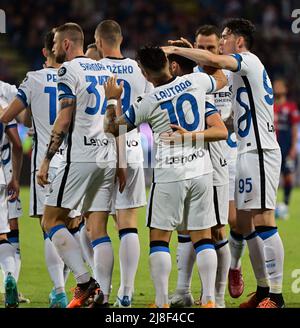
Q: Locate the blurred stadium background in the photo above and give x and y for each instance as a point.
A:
(145, 22)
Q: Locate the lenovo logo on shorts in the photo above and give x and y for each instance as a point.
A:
(2, 21)
(132, 143)
(185, 159)
(95, 141)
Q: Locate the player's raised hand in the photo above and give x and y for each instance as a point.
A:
(42, 176)
(168, 50)
(176, 137)
(113, 90)
(182, 42)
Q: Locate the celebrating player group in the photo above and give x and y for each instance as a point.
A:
(217, 161)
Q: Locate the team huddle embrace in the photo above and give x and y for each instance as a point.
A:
(217, 162)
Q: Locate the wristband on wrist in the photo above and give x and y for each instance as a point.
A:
(112, 102)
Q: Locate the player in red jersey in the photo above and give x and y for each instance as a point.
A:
(286, 125)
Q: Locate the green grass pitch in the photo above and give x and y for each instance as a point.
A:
(35, 283)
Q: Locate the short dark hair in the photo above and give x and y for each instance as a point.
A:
(242, 27)
(110, 31)
(185, 64)
(152, 58)
(208, 30)
(73, 31)
(48, 41)
(92, 46)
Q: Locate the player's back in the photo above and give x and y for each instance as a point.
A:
(38, 91)
(134, 84)
(82, 79)
(182, 102)
(253, 102)
(7, 92)
(127, 70)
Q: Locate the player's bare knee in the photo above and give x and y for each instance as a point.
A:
(127, 218)
(157, 234)
(218, 233)
(264, 217)
(200, 234)
(96, 224)
(244, 222)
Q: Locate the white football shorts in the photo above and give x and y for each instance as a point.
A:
(182, 205)
(257, 179)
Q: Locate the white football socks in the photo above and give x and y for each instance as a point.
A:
(103, 264)
(274, 256)
(237, 246)
(13, 238)
(55, 265)
(160, 268)
(70, 252)
(185, 257)
(207, 263)
(224, 259)
(7, 258)
(87, 248)
(129, 254)
(257, 258)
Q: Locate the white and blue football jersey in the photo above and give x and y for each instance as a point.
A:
(253, 102)
(38, 91)
(181, 101)
(82, 79)
(135, 84)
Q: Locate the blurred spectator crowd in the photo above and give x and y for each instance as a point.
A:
(156, 21)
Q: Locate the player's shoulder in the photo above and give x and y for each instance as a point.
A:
(195, 78)
(249, 56)
(6, 86)
(144, 101)
(65, 68)
(32, 76)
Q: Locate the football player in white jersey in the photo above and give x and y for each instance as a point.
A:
(207, 37)
(9, 190)
(88, 169)
(108, 36)
(37, 94)
(259, 158)
(181, 193)
(7, 94)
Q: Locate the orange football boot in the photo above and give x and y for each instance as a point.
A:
(82, 295)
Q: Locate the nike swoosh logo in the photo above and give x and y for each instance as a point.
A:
(270, 261)
(248, 200)
(19, 209)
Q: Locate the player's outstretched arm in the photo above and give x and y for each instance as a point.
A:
(116, 125)
(216, 131)
(204, 57)
(12, 111)
(59, 131)
(17, 161)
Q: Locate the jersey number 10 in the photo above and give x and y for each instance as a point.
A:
(168, 105)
